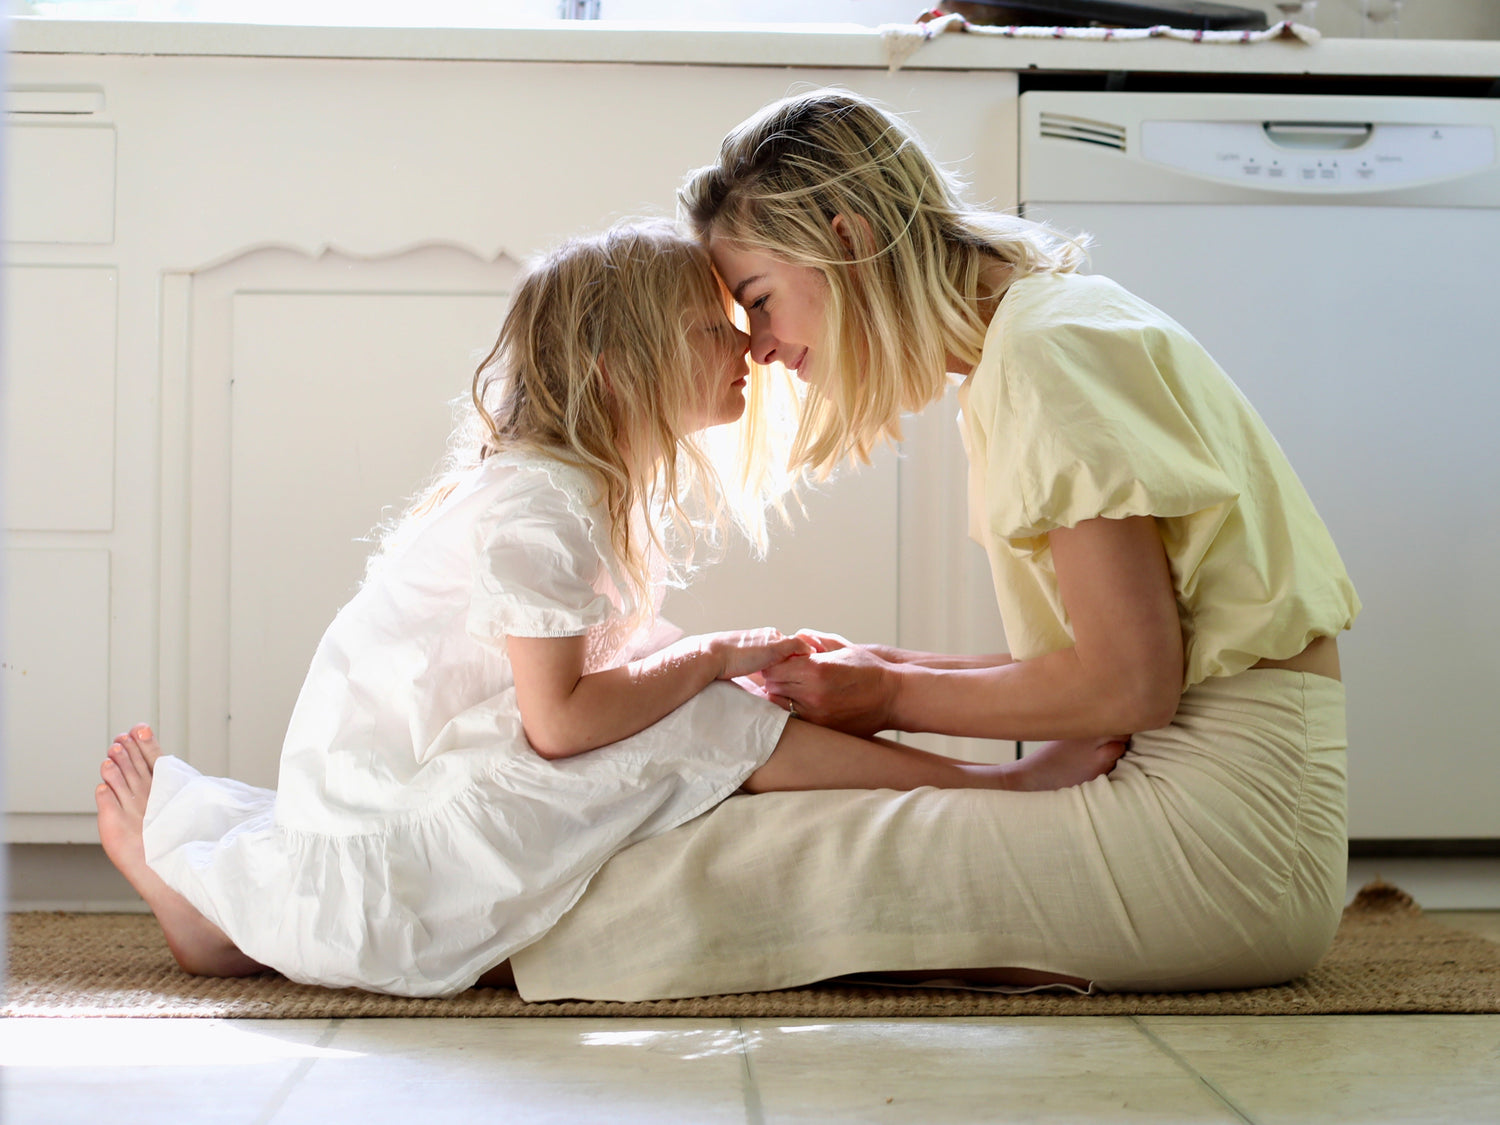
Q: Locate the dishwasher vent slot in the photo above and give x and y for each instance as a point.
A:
(1065, 127)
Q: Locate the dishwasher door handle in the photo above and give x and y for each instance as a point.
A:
(1333, 136)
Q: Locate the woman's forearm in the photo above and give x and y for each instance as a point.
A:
(1052, 696)
(939, 659)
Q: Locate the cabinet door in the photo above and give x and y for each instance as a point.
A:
(325, 391)
(323, 398)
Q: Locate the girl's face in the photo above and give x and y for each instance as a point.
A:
(785, 304)
(719, 353)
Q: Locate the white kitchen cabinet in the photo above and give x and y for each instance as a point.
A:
(245, 290)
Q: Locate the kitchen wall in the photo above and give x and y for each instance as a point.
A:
(1407, 19)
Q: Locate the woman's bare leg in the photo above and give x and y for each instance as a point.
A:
(814, 757)
(200, 947)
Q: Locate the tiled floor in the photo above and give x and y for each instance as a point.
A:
(1302, 1069)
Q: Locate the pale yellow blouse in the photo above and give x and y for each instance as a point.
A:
(1086, 402)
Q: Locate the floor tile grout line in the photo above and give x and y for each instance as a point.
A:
(1213, 1087)
(754, 1112)
(292, 1080)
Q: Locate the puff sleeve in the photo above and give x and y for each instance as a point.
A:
(1087, 418)
(538, 570)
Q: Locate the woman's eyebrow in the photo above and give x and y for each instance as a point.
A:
(739, 290)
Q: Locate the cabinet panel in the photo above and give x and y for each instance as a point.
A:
(60, 418)
(56, 677)
(61, 183)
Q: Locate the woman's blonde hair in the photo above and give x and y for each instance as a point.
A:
(595, 365)
(903, 269)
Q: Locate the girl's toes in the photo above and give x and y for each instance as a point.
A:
(145, 738)
(118, 771)
(138, 760)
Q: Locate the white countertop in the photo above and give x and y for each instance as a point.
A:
(822, 45)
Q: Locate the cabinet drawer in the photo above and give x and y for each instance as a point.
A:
(60, 184)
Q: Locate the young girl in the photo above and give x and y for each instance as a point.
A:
(485, 723)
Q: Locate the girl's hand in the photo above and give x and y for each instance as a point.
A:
(747, 651)
(831, 642)
(823, 642)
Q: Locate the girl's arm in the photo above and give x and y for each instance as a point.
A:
(565, 712)
(1122, 675)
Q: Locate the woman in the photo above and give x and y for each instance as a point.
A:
(1160, 571)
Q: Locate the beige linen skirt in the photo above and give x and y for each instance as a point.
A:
(1213, 856)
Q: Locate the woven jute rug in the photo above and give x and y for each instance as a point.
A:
(1387, 958)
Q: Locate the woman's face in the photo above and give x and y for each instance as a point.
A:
(785, 304)
(719, 353)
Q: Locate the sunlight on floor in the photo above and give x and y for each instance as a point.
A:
(683, 1045)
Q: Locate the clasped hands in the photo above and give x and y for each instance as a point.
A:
(839, 684)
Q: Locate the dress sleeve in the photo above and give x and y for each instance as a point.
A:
(538, 565)
(1082, 421)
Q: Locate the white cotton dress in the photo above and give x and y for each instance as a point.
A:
(415, 839)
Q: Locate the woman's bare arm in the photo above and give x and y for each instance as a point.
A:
(827, 642)
(1122, 675)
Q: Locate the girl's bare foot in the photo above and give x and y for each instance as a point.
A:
(1057, 765)
(199, 946)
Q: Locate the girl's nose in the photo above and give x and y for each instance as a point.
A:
(743, 342)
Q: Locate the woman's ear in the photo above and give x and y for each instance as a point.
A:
(847, 227)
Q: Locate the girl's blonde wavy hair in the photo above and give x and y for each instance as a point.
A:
(595, 365)
(904, 286)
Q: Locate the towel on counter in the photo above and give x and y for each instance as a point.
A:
(903, 39)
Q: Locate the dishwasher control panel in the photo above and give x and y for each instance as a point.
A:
(1333, 156)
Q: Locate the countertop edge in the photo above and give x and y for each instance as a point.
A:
(818, 45)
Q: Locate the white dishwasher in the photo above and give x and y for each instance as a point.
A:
(1340, 258)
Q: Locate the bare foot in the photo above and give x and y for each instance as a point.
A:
(199, 946)
(1057, 765)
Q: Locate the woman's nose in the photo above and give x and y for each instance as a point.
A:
(743, 342)
(762, 345)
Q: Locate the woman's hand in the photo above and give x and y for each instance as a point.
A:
(745, 652)
(845, 686)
